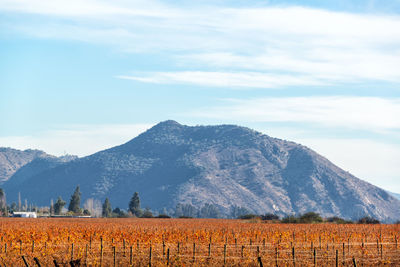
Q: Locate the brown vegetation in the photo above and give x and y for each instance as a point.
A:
(194, 242)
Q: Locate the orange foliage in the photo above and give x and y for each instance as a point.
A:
(194, 242)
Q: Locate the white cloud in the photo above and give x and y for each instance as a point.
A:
(308, 45)
(366, 113)
(81, 140)
(224, 79)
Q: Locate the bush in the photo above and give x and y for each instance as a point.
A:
(163, 216)
(270, 217)
(290, 219)
(368, 220)
(310, 217)
(248, 216)
(338, 220)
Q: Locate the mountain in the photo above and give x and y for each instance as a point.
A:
(223, 165)
(12, 159)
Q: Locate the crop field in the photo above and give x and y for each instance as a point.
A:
(193, 242)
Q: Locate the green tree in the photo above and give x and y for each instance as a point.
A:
(59, 205)
(106, 211)
(3, 203)
(134, 205)
(75, 203)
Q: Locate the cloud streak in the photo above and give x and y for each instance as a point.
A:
(225, 79)
(302, 44)
(362, 113)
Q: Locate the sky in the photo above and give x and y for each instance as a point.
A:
(80, 76)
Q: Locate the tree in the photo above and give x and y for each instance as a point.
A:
(51, 207)
(270, 217)
(106, 212)
(368, 220)
(75, 203)
(3, 203)
(237, 211)
(59, 205)
(209, 211)
(134, 205)
(185, 210)
(310, 217)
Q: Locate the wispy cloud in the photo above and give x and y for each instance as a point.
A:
(366, 113)
(300, 45)
(225, 79)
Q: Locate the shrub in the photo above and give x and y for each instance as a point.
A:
(163, 216)
(248, 216)
(290, 219)
(368, 220)
(270, 217)
(310, 217)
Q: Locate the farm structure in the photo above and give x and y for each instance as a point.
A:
(193, 242)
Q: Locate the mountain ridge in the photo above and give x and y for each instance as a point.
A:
(223, 165)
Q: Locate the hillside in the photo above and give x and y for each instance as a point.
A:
(223, 165)
(12, 159)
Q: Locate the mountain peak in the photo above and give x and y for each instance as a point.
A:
(168, 123)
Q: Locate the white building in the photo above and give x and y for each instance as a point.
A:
(24, 214)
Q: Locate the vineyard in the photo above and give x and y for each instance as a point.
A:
(193, 242)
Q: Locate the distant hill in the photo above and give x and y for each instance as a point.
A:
(226, 165)
(12, 159)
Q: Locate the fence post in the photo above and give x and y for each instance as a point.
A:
(337, 258)
(167, 256)
(344, 255)
(101, 251)
(194, 251)
(131, 256)
(354, 262)
(26, 263)
(209, 250)
(276, 256)
(294, 256)
(260, 262)
(124, 246)
(37, 262)
(315, 257)
(224, 254)
(150, 256)
(113, 248)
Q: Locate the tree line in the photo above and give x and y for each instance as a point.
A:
(96, 209)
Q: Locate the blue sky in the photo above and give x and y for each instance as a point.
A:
(80, 76)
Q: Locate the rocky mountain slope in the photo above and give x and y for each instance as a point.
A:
(224, 165)
(12, 159)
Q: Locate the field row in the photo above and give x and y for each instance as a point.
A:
(189, 242)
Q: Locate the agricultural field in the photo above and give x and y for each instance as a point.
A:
(193, 242)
